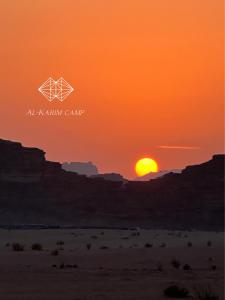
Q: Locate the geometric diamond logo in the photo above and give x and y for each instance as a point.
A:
(52, 89)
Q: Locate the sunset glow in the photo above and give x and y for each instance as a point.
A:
(148, 76)
(145, 166)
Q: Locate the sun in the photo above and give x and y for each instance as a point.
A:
(146, 165)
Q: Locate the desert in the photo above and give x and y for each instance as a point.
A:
(108, 264)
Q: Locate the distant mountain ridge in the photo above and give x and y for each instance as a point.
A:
(111, 177)
(152, 175)
(36, 191)
(82, 168)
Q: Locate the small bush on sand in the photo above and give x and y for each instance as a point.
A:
(186, 267)
(62, 266)
(163, 245)
(174, 291)
(205, 293)
(175, 263)
(147, 245)
(17, 247)
(88, 246)
(159, 267)
(209, 244)
(189, 244)
(60, 243)
(55, 252)
(213, 267)
(37, 247)
(104, 247)
(210, 259)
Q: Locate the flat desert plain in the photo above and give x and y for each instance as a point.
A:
(105, 264)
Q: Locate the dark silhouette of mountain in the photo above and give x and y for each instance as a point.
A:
(83, 168)
(33, 190)
(153, 175)
(110, 176)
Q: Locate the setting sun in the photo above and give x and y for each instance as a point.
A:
(145, 166)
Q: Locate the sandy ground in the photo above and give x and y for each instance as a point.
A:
(118, 266)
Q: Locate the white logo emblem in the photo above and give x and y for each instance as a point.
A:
(52, 89)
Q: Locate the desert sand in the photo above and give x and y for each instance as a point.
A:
(104, 264)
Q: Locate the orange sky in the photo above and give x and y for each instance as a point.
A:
(148, 73)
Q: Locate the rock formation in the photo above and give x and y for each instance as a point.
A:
(33, 190)
(110, 177)
(82, 168)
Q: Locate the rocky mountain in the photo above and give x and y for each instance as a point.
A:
(110, 177)
(33, 190)
(82, 168)
(152, 175)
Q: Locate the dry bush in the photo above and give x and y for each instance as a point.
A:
(174, 291)
(37, 247)
(205, 293)
(17, 247)
(60, 243)
(209, 244)
(55, 252)
(88, 246)
(175, 263)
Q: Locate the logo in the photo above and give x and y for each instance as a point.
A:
(52, 89)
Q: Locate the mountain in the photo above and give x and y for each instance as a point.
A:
(34, 190)
(152, 175)
(110, 176)
(82, 168)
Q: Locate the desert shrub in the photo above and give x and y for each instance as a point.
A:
(175, 263)
(7, 244)
(174, 291)
(37, 247)
(104, 247)
(60, 243)
(62, 266)
(102, 233)
(159, 267)
(209, 244)
(55, 252)
(210, 259)
(163, 245)
(147, 245)
(17, 247)
(213, 267)
(189, 244)
(88, 246)
(186, 267)
(205, 293)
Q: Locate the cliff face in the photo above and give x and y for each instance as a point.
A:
(22, 164)
(33, 190)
